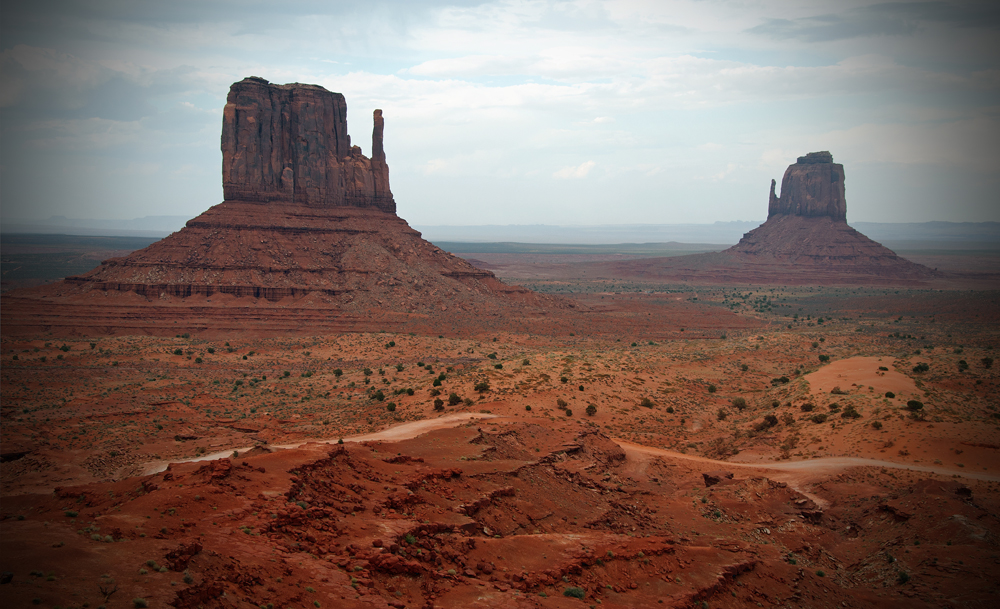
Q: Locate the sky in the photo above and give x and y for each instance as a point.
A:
(519, 111)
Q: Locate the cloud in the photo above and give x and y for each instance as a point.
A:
(883, 19)
(577, 172)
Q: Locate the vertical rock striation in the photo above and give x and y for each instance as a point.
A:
(289, 144)
(812, 187)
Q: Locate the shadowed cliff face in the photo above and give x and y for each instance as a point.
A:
(814, 187)
(289, 143)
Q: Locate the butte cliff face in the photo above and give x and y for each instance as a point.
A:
(308, 224)
(812, 187)
(289, 143)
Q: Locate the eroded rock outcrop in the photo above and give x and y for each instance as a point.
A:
(289, 143)
(812, 187)
(307, 220)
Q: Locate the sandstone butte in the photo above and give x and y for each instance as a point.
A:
(307, 237)
(805, 241)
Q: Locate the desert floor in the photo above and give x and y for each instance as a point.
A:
(860, 427)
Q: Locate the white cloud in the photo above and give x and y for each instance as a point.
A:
(579, 171)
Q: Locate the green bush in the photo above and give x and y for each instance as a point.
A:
(890, 394)
(139, 603)
(574, 592)
(711, 388)
(824, 358)
(454, 399)
(482, 386)
(722, 414)
(818, 418)
(438, 404)
(561, 403)
(646, 403)
(921, 367)
(807, 407)
(178, 352)
(591, 410)
(391, 406)
(914, 405)
(739, 403)
(876, 424)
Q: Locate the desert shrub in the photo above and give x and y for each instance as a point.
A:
(391, 406)
(367, 371)
(823, 358)
(787, 418)
(921, 367)
(409, 391)
(838, 391)
(390, 344)
(781, 380)
(739, 403)
(139, 603)
(818, 418)
(775, 403)
(435, 392)
(563, 379)
(178, 352)
(438, 404)
(498, 366)
(807, 407)
(286, 374)
(197, 360)
(883, 368)
(436, 382)
(378, 395)
(722, 414)
(482, 386)
(454, 399)
(768, 422)
(591, 410)
(890, 394)
(876, 424)
(525, 363)
(574, 592)
(850, 413)
(914, 405)
(399, 367)
(71, 514)
(569, 412)
(903, 577)
(581, 387)
(527, 407)
(987, 362)
(744, 367)
(963, 365)
(646, 403)
(670, 409)
(492, 355)
(561, 403)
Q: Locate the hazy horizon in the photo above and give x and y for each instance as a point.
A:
(517, 111)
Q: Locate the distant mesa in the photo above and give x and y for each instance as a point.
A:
(306, 217)
(805, 241)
